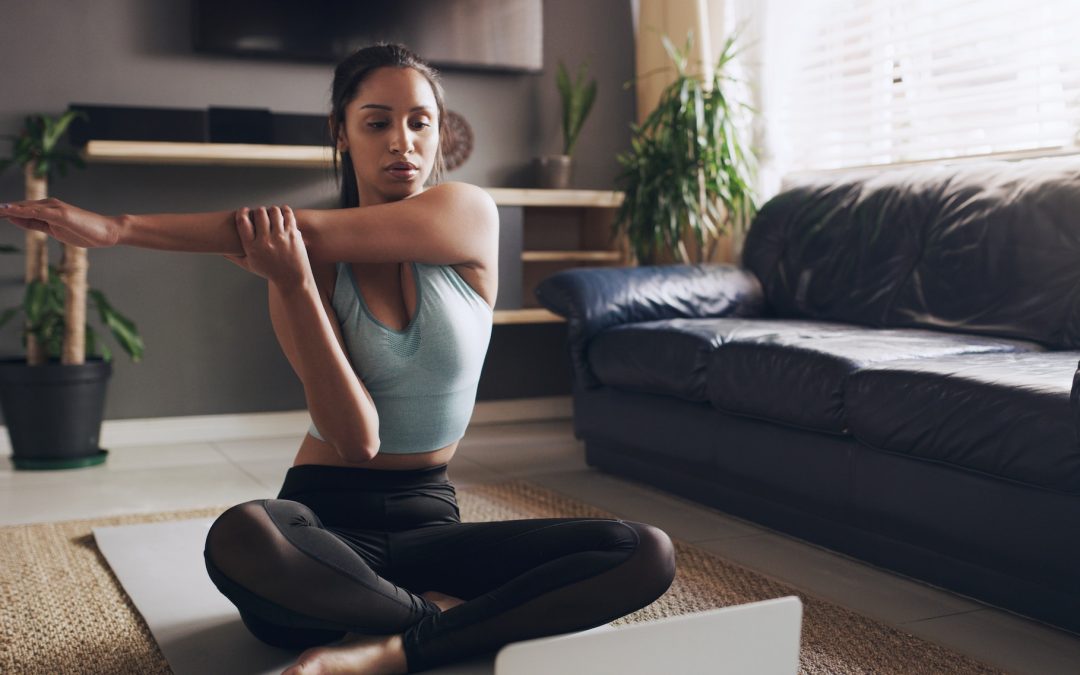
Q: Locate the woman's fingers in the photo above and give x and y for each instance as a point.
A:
(39, 209)
(30, 224)
(29, 203)
(277, 221)
(243, 225)
(262, 223)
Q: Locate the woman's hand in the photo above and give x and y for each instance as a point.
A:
(64, 222)
(273, 246)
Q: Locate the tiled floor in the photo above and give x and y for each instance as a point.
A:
(167, 477)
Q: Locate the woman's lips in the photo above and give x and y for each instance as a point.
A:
(403, 171)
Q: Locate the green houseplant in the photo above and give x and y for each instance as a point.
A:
(53, 400)
(688, 176)
(577, 97)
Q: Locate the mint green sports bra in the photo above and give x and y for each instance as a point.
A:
(422, 378)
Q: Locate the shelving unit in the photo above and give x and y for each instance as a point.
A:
(544, 231)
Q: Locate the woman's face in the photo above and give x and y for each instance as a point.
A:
(392, 134)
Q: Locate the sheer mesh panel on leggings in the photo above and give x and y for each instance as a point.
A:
(295, 573)
(632, 568)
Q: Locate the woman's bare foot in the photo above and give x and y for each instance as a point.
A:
(444, 601)
(358, 654)
(354, 654)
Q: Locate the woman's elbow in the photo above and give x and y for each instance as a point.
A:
(356, 444)
(308, 224)
(357, 453)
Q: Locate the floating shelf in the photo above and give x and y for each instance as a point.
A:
(573, 198)
(580, 256)
(232, 154)
(538, 315)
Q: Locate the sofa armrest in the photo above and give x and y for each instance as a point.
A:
(1074, 399)
(595, 298)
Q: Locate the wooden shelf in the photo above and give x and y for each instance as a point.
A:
(232, 154)
(538, 315)
(534, 197)
(581, 256)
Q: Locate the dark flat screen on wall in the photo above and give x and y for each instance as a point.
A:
(451, 34)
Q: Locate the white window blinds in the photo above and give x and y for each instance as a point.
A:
(875, 82)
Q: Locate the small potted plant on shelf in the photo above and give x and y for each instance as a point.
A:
(688, 176)
(577, 96)
(54, 398)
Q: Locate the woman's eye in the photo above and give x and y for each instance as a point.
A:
(382, 124)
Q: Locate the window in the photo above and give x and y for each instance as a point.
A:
(873, 82)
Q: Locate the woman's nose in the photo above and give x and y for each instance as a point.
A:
(401, 141)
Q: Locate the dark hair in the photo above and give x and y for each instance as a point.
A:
(348, 75)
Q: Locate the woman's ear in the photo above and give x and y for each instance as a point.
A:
(340, 142)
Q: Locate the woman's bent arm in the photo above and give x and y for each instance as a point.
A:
(448, 224)
(339, 404)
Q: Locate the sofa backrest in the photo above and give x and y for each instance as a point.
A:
(990, 248)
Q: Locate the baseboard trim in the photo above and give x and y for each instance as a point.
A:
(523, 410)
(203, 428)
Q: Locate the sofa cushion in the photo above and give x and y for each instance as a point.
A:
(659, 357)
(1008, 415)
(596, 298)
(794, 372)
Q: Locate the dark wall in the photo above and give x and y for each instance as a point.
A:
(210, 346)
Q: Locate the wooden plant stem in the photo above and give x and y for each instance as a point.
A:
(74, 276)
(37, 259)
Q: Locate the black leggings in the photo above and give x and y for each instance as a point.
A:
(348, 549)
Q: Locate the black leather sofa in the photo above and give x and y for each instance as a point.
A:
(891, 373)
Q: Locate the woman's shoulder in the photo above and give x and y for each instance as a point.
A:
(464, 193)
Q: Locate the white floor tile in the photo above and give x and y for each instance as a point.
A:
(868, 590)
(118, 459)
(1004, 640)
(133, 491)
(464, 472)
(270, 473)
(630, 502)
(259, 449)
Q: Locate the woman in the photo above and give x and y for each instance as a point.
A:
(363, 557)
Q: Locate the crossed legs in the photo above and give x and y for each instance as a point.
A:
(300, 584)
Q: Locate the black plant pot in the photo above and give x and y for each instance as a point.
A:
(53, 412)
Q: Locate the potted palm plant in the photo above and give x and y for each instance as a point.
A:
(688, 177)
(54, 398)
(577, 97)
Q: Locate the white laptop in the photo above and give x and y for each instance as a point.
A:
(760, 638)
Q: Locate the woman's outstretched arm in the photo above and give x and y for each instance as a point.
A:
(447, 224)
(210, 232)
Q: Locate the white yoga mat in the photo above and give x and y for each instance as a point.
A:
(160, 566)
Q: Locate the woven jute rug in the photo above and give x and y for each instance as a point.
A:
(63, 611)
